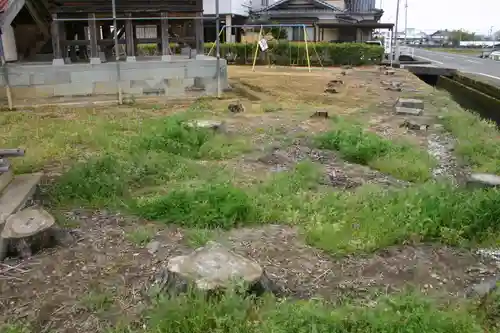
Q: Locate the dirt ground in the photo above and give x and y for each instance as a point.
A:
(104, 276)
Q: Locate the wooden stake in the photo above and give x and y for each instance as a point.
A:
(307, 49)
(256, 50)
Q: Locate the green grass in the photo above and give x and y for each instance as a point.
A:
(407, 313)
(141, 235)
(455, 50)
(371, 218)
(478, 140)
(399, 159)
(208, 206)
(97, 301)
(173, 135)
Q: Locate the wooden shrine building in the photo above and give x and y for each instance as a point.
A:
(82, 30)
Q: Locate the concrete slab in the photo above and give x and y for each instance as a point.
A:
(410, 103)
(20, 189)
(408, 111)
(208, 124)
(58, 62)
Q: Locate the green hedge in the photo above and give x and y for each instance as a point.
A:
(292, 53)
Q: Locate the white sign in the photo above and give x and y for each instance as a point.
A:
(388, 42)
(263, 44)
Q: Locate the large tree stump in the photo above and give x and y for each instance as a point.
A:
(29, 230)
(211, 269)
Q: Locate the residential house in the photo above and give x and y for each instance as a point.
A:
(329, 21)
(440, 37)
(232, 12)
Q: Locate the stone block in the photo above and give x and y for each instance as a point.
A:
(105, 88)
(50, 77)
(215, 125)
(408, 111)
(44, 91)
(74, 89)
(19, 78)
(410, 103)
(92, 75)
(58, 62)
(483, 180)
(194, 70)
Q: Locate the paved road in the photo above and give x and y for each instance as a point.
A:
(487, 68)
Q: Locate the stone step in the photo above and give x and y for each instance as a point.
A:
(408, 111)
(15, 195)
(5, 179)
(410, 103)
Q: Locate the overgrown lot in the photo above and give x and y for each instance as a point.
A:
(347, 209)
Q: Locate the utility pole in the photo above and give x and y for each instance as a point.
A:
(406, 20)
(395, 54)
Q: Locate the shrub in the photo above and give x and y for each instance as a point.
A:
(294, 53)
(287, 53)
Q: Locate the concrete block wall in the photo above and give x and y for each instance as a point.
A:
(176, 79)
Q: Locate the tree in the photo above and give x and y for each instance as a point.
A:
(456, 36)
(496, 35)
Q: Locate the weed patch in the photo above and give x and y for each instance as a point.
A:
(231, 313)
(207, 206)
(173, 135)
(287, 196)
(371, 219)
(356, 145)
(141, 235)
(478, 140)
(98, 180)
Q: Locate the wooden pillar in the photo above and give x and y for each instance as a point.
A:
(198, 26)
(71, 36)
(106, 34)
(129, 38)
(94, 51)
(55, 30)
(165, 48)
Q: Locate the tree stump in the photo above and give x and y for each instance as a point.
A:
(211, 269)
(31, 229)
(236, 107)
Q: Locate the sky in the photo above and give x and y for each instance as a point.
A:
(431, 15)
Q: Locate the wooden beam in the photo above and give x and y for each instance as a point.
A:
(40, 22)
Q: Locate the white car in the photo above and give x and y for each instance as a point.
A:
(495, 55)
